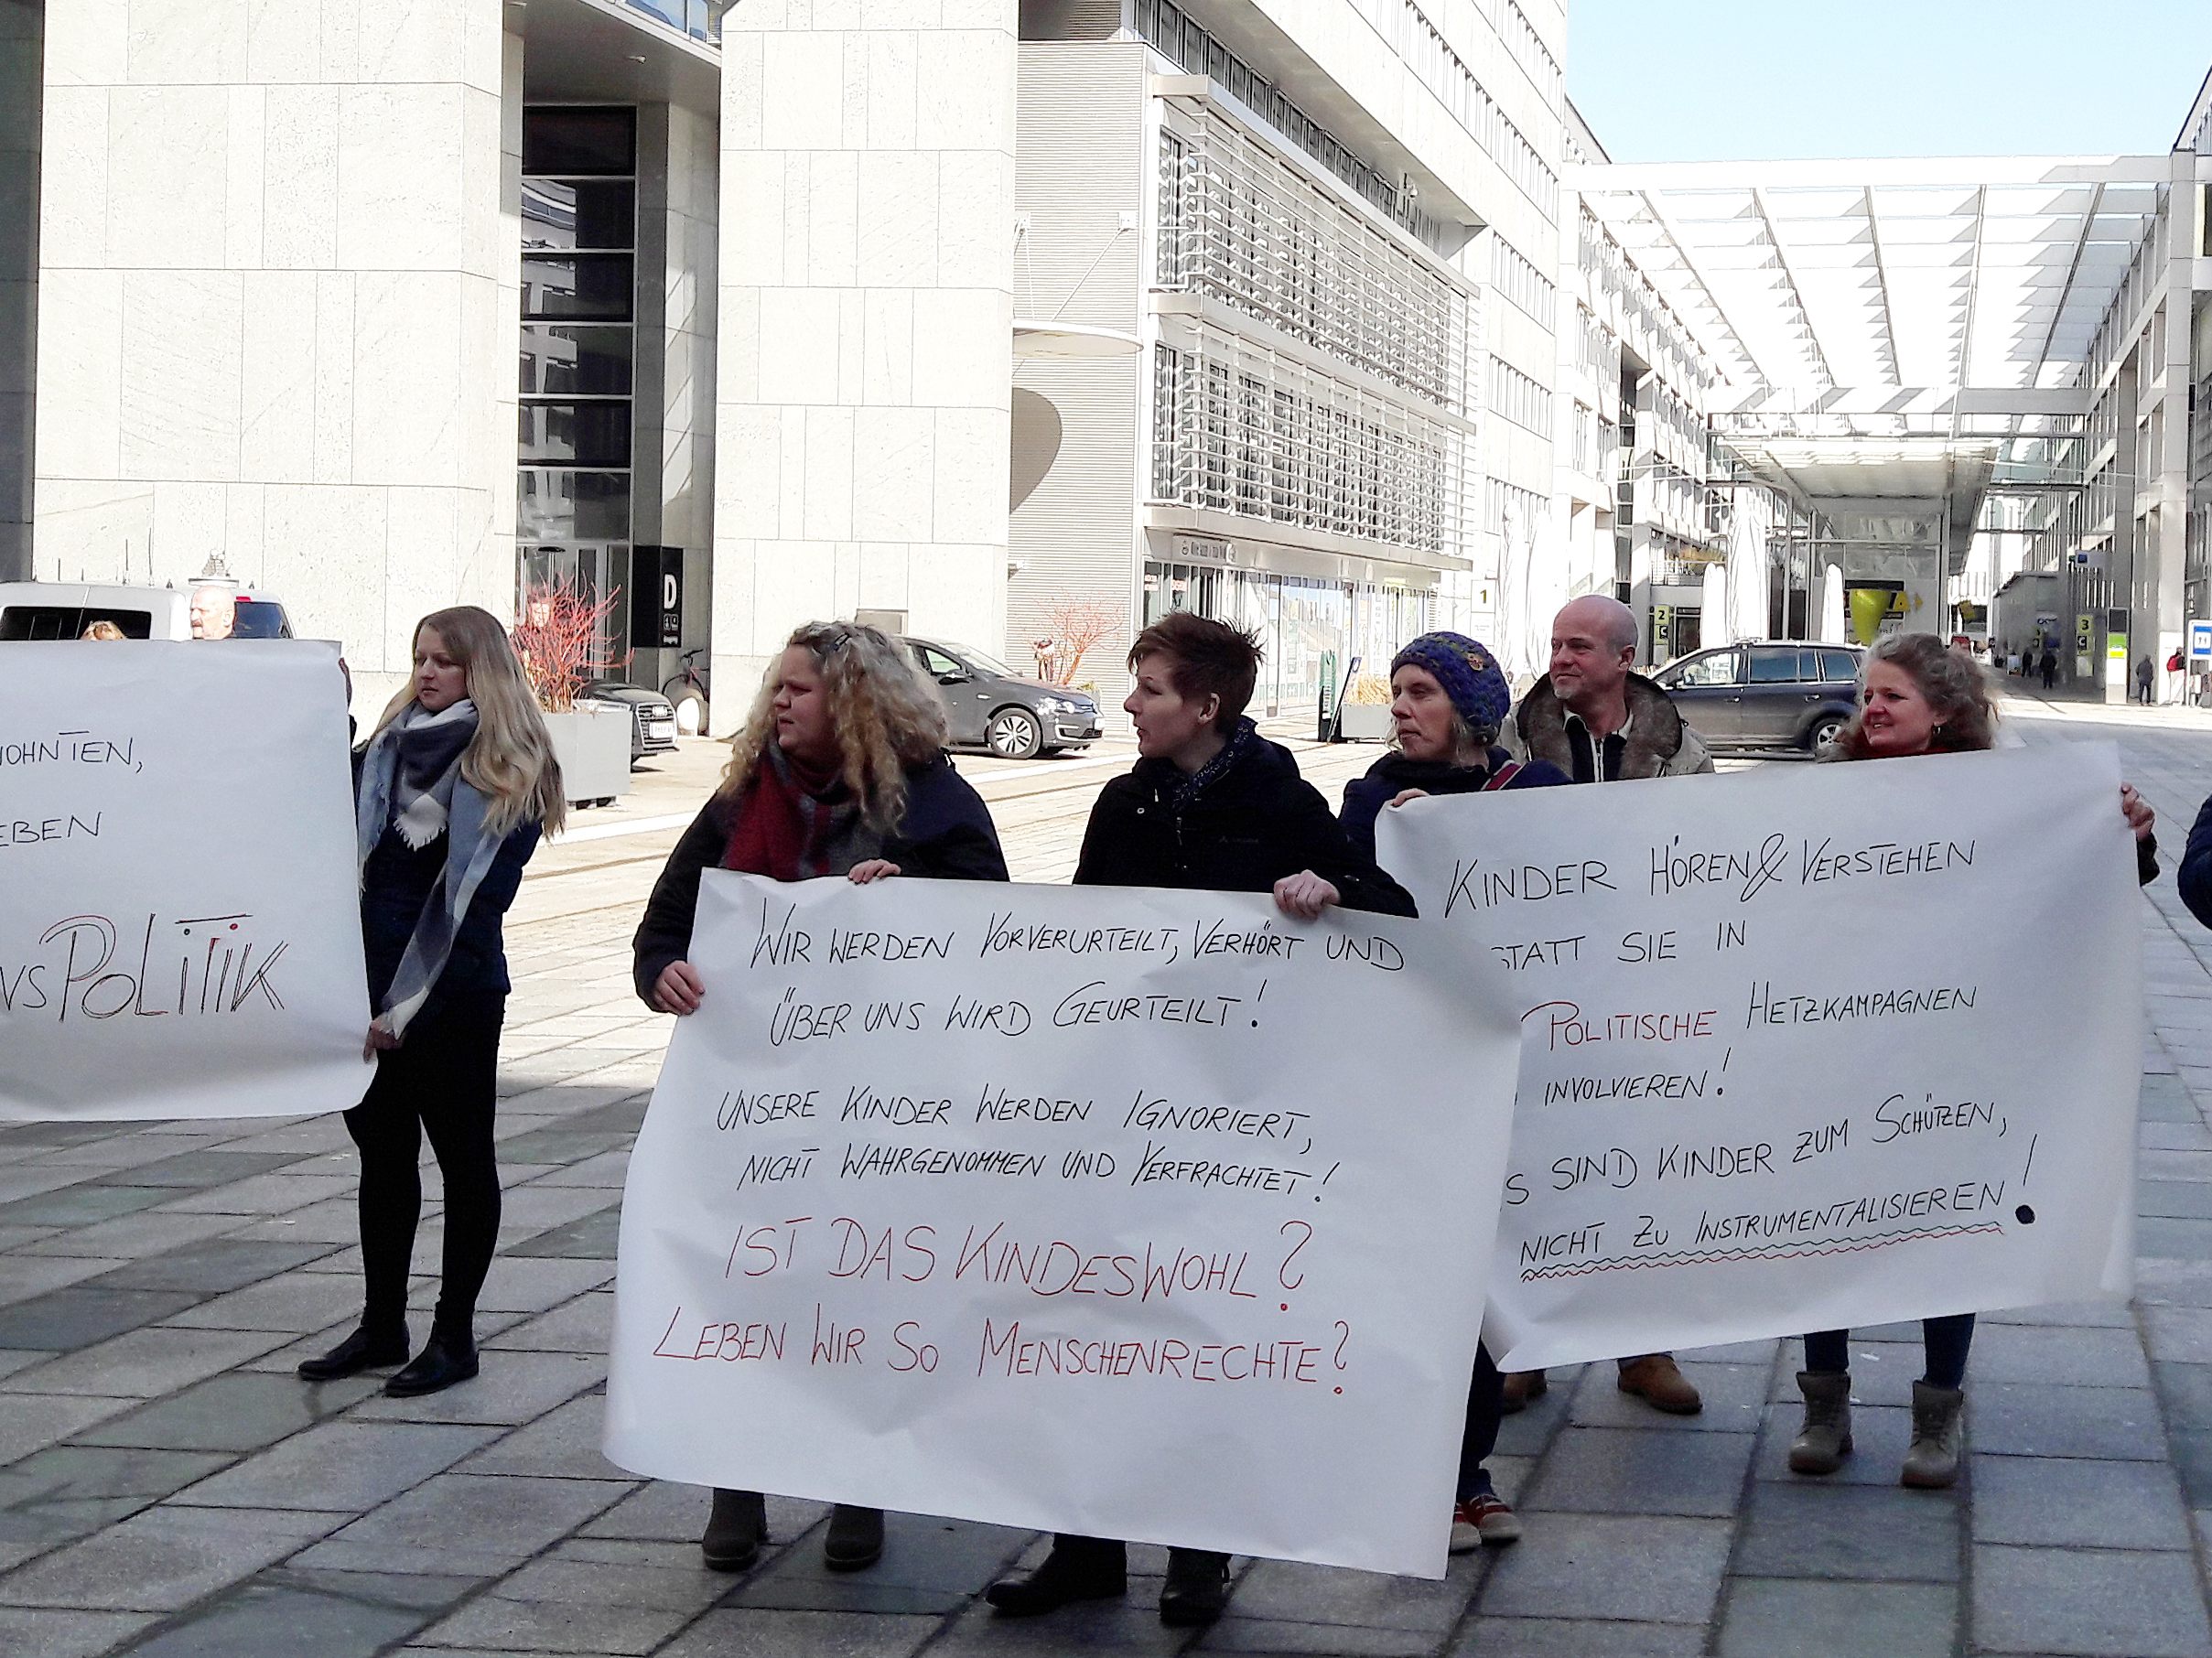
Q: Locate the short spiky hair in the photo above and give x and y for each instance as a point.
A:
(1209, 659)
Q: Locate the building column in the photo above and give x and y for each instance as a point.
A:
(866, 319)
(22, 32)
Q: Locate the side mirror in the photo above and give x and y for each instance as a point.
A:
(952, 677)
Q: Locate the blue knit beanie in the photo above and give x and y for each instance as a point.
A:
(1473, 681)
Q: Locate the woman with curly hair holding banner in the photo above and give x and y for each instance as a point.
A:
(840, 770)
(1917, 695)
(452, 792)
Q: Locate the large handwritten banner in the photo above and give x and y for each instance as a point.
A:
(1140, 1213)
(1803, 1048)
(179, 924)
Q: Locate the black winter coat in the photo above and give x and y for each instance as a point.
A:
(1364, 797)
(1249, 828)
(398, 881)
(944, 833)
(2195, 877)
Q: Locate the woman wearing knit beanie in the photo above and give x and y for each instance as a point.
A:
(1448, 699)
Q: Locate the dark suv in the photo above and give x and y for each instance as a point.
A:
(1783, 695)
(993, 708)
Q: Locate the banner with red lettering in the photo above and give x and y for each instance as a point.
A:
(1805, 1048)
(1145, 1214)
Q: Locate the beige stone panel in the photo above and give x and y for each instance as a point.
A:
(827, 509)
(490, 343)
(190, 522)
(73, 167)
(300, 179)
(323, 555)
(969, 105)
(485, 44)
(741, 130)
(793, 582)
(798, 346)
(168, 151)
(893, 91)
(87, 45)
(738, 347)
(334, 377)
(837, 13)
(959, 590)
(400, 178)
(970, 489)
(976, 220)
(851, 329)
(883, 582)
(833, 229)
(898, 198)
(489, 240)
(980, 13)
(754, 242)
(803, 91)
(341, 42)
(276, 403)
(903, 14)
(748, 462)
(845, 578)
(284, 41)
(407, 378)
(186, 42)
(242, 187)
(424, 564)
(94, 530)
(893, 499)
(790, 475)
(963, 347)
(183, 358)
(887, 346)
(402, 40)
(79, 431)
(243, 506)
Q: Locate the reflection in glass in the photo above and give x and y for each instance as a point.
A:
(572, 506)
(577, 434)
(575, 361)
(585, 140)
(560, 214)
(577, 285)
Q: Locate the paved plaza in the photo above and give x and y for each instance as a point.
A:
(168, 1487)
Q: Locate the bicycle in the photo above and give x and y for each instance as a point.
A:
(686, 692)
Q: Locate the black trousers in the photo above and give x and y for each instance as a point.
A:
(1486, 1409)
(1946, 1339)
(1112, 1551)
(443, 1080)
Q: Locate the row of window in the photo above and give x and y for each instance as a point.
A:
(1266, 440)
(1181, 40)
(1530, 52)
(1521, 282)
(1515, 396)
(1241, 225)
(1636, 310)
(1597, 349)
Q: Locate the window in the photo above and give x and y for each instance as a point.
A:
(1774, 664)
(1718, 669)
(937, 664)
(1839, 667)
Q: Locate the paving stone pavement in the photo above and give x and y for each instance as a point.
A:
(167, 1487)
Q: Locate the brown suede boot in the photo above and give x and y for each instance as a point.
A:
(1522, 1386)
(1933, 1463)
(1825, 1438)
(1656, 1380)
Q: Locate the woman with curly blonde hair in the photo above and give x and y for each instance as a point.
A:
(840, 770)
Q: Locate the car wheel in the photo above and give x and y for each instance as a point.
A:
(1821, 738)
(1014, 734)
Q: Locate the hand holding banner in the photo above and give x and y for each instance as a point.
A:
(1802, 1048)
(1131, 1213)
(179, 919)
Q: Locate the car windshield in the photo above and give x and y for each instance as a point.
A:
(259, 618)
(983, 660)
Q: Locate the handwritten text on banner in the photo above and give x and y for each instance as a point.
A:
(179, 925)
(1131, 1213)
(1802, 1048)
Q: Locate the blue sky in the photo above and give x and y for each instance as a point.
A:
(1767, 80)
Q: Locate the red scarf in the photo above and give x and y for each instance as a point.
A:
(773, 833)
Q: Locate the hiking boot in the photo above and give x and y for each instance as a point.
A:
(855, 1538)
(1197, 1589)
(1656, 1380)
(1481, 1519)
(1085, 1569)
(1933, 1463)
(1522, 1386)
(1825, 1438)
(735, 1531)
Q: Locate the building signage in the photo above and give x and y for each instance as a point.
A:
(1214, 549)
(2200, 642)
(657, 598)
(2084, 626)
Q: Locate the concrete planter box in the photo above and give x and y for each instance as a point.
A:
(593, 746)
(1366, 722)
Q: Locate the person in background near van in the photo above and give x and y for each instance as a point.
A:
(839, 769)
(2144, 669)
(1599, 722)
(103, 630)
(1211, 805)
(1917, 697)
(215, 613)
(1448, 699)
(451, 794)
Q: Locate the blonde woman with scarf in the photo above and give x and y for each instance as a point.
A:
(452, 792)
(840, 770)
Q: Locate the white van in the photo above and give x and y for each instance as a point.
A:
(64, 609)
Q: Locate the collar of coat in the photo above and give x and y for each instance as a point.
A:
(1654, 733)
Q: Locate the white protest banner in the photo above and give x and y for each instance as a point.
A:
(1803, 1048)
(1139, 1213)
(179, 918)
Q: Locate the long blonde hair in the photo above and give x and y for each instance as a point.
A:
(885, 715)
(510, 760)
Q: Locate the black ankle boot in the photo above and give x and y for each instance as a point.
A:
(445, 1360)
(1197, 1589)
(1085, 1570)
(854, 1539)
(363, 1350)
(735, 1531)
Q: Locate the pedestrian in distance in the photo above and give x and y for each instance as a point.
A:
(1599, 721)
(2144, 671)
(1211, 805)
(2050, 667)
(454, 788)
(840, 770)
(1917, 697)
(1448, 699)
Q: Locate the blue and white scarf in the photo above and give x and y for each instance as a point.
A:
(411, 781)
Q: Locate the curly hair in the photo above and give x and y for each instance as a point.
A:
(885, 715)
(1950, 679)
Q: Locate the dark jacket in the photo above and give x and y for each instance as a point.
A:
(945, 832)
(1659, 744)
(2195, 877)
(398, 881)
(1364, 797)
(1256, 824)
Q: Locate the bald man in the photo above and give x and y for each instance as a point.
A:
(1599, 722)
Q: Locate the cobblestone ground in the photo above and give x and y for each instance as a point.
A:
(167, 1487)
